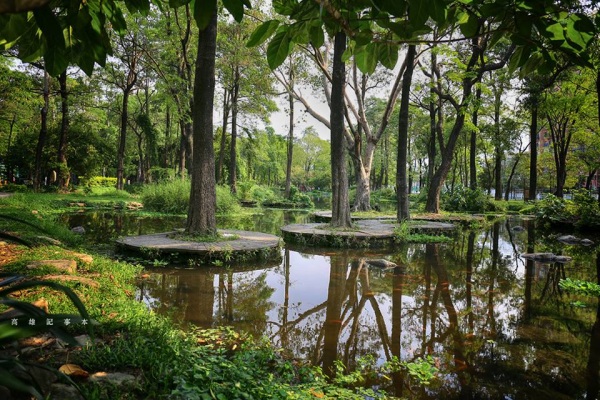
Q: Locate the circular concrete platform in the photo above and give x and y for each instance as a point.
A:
(325, 216)
(244, 247)
(366, 234)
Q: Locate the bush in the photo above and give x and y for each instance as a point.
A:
(263, 194)
(101, 181)
(168, 197)
(300, 199)
(464, 199)
(173, 198)
(227, 203)
(583, 211)
(14, 188)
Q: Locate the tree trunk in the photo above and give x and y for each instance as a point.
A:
(122, 141)
(590, 178)
(339, 175)
(185, 148)
(37, 180)
(127, 89)
(473, 145)
(401, 178)
(498, 174)
(223, 136)
(362, 202)
(203, 198)
(533, 145)
(290, 139)
(232, 148)
(9, 168)
(510, 176)
(61, 156)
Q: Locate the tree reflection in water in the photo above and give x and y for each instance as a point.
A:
(497, 326)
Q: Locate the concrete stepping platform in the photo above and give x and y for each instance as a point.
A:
(246, 246)
(325, 216)
(367, 233)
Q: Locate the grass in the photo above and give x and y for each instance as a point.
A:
(167, 362)
(219, 237)
(403, 233)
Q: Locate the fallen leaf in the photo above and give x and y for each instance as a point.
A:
(74, 371)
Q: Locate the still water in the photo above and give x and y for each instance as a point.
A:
(496, 325)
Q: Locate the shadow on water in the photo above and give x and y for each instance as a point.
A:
(497, 326)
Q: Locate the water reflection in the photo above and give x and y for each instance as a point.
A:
(497, 326)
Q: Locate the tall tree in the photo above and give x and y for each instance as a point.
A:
(564, 107)
(290, 138)
(340, 203)
(124, 75)
(61, 154)
(402, 188)
(203, 198)
(41, 142)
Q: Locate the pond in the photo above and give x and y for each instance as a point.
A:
(496, 325)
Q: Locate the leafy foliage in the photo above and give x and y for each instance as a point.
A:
(582, 211)
(31, 320)
(375, 29)
(464, 199)
(580, 287)
(173, 197)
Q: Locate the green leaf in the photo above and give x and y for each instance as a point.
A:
(317, 37)
(279, 48)
(115, 16)
(387, 54)
(204, 11)
(362, 38)
(178, 3)
(524, 24)
(236, 8)
(469, 27)
(519, 58)
(14, 25)
(402, 29)
(141, 6)
(438, 10)
(555, 32)
(262, 33)
(532, 64)
(366, 58)
(284, 7)
(396, 8)
(580, 31)
(418, 12)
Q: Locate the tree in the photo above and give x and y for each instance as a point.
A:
(534, 29)
(203, 197)
(564, 107)
(61, 33)
(340, 209)
(247, 86)
(401, 178)
(124, 75)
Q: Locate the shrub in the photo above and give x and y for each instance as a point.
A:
(227, 203)
(14, 188)
(173, 198)
(263, 194)
(101, 181)
(583, 211)
(586, 209)
(168, 197)
(300, 199)
(464, 199)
